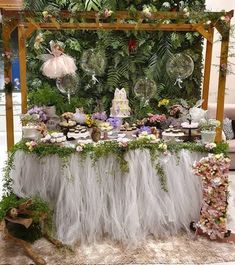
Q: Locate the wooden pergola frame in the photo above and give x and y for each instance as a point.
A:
(27, 24)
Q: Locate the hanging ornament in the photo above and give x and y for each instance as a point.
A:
(56, 63)
(145, 89)
(132, 46)
(93, 62)
(68, 85)
(180, 67)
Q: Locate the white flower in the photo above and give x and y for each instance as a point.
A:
(181, 3)
(185, 10)
(217, 181)
(210, 146)
(187, 14)
(79, 148)
(147, 12)
(208, 22)
(166, 4)
(219, 156)
(166, 21)
(222, 18)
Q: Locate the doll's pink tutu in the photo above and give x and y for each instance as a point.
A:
(59, 66)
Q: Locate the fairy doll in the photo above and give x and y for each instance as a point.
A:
(57, 64)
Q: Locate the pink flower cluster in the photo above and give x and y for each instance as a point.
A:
(157, 118)
(7, 54)
(175, 110)
(31, 145)
(214, 172)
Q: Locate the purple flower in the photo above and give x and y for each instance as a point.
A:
(39, 111)
(99, 116)
(115, 122)
(144, 129)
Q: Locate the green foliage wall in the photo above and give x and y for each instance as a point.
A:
(123, 69)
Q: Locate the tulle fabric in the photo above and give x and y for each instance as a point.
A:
(59, 66)
(91, 202)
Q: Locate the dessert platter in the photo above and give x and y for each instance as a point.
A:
(172, 134)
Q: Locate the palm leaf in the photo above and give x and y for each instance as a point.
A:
(37, 5)
(92, 5)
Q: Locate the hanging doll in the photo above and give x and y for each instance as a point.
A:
(57, 64)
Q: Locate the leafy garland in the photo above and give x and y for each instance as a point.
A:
(118, 149)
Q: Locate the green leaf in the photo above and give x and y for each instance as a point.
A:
(93, 5)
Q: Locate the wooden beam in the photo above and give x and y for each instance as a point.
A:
(222, 85)
(119, 26)
(22, 60)
(207, 71)
(206, 34)
(118, 14)
(6, 36)
(12, 4)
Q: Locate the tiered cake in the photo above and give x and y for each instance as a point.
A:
(120, 104)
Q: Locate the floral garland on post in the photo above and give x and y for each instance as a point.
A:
(214, 171)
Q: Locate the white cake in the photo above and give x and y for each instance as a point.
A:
(120, 104)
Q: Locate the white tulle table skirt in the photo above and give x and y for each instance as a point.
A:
(93, 201)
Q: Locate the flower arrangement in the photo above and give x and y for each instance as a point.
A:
(210, 146)
(114, 122)
(163, 102)
(209, 124)
(31, 145)
(89, 121)
(146, 129)
(29, 119)
(175, 110)
(214, 171)
(156, 118)
(100, 116)
(7, 55)
(39, 111)
(152, 120)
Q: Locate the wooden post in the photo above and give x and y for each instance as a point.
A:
(222, 84)
(22, 60)
(207, 71)
(6, 36)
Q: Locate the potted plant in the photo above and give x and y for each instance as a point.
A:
(47, 97)
(208, 130)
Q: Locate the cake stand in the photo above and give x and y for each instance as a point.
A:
(65, 126)
(189, 126)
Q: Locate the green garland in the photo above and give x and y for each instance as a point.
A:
(105, 149)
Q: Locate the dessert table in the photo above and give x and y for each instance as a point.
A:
(95, 200)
